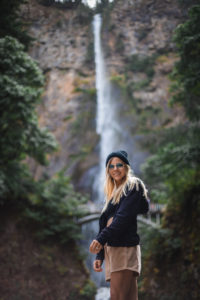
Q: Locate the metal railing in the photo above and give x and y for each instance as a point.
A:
(153, 218)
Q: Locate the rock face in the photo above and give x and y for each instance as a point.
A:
(63, 48)
(137, 37)
(140, 54)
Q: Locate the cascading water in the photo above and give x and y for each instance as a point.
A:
(115, 132)
(105, 111)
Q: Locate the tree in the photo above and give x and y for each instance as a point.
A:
(186, 74)
(21, 83)
(10, 23)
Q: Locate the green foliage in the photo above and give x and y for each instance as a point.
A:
(90, 92)
(173, 160)
(54, 208)
(102, 6)
(10, 23)
(84, 14)
(142, 64)
(15, 182)
(159, 193)
(21, 84)
(188, 3)
(105, 8)
(119, 79)
(174, 250)
(89, 290)
(186, 75)
(174, 157)
(119, 45)
(174, 173)
(90, 53)
(141, 84)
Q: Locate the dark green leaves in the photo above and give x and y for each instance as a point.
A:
(186, 74)
(54, 209)
(10, 23)
(21, 83)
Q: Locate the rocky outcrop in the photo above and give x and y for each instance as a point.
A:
(63, 48)
(140, 54)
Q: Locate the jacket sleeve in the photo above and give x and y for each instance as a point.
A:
(100, 255)
(102, 224)
(131, 205)
(143, 205)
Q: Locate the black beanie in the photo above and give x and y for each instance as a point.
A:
(121, 154)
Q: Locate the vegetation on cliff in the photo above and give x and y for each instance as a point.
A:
(186, 87)
(171, 268)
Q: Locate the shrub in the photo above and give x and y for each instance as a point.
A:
(54, 209)
(144, 64)
(89, 290)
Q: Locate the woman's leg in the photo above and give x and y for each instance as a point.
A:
(134, 287)
(123, 285)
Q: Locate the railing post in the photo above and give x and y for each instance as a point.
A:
(158, 218)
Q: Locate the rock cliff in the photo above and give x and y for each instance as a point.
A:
(140, 54)
(137, 38)
(63, 48)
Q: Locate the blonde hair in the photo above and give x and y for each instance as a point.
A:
(114, 193)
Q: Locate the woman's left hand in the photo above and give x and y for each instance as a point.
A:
(95, 247)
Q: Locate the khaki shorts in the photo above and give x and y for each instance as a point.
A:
(122, 258)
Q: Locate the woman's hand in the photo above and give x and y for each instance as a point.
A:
(95, 247)
(97, 265)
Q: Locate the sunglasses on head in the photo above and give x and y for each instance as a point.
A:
(119, 165)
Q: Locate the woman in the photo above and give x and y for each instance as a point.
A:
(117, 240)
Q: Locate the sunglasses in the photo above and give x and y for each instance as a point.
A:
(119, 165)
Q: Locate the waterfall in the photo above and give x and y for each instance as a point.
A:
(103, 97)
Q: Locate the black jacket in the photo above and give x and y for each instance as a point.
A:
(122, 232)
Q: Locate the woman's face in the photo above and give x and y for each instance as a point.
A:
(117, 170)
